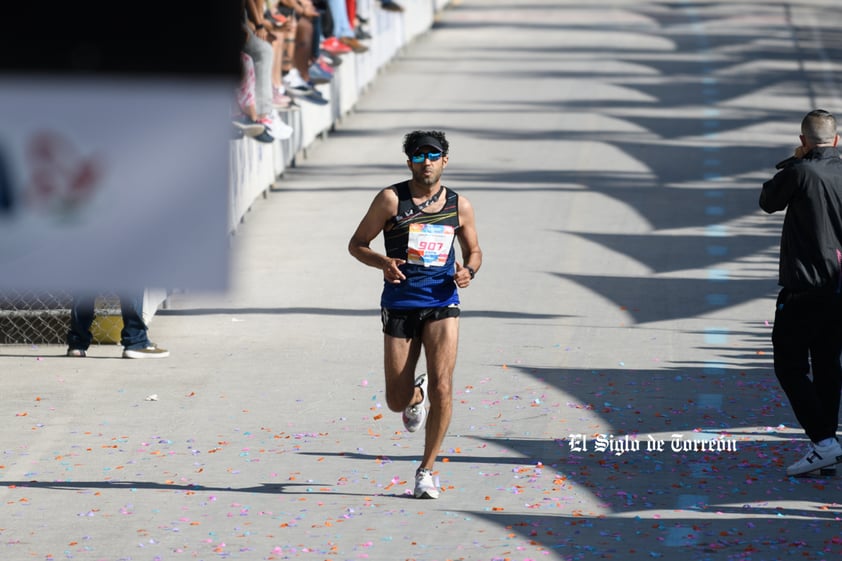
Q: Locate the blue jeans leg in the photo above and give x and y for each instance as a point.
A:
(81, 317)
(134, 333)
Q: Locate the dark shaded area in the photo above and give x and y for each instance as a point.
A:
(99, 37)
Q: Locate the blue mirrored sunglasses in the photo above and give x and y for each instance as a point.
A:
(421, 156)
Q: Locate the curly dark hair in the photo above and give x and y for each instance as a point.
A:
(410, 139)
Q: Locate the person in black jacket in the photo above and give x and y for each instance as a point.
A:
(807, 335)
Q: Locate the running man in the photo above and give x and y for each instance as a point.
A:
(420, 218)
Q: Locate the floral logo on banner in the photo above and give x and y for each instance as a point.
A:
(61, 179)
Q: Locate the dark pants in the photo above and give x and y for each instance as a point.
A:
(133, 335)
(808, 336)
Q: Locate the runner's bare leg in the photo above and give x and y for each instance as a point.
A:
(400, 359)
(440, 338)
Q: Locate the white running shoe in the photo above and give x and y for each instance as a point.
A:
(817, 457)
(414, 415)
(150, 351)
(425, 487)
(295, 83)
(276, 127)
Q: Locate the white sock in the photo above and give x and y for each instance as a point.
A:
(826, 442)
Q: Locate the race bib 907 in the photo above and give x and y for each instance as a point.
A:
(429, 244)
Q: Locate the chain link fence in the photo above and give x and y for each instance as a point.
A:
(34, 318)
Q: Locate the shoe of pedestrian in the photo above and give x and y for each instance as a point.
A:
(150, 351)
(425, 487)
(415, 415)
(817, 457)
(354, 43)
(77, 353)
(390, 6)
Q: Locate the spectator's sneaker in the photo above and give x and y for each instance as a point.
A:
(315, 97)
(335, 47)
(264, 137)
(390, 6)
(324, 63)
(425, 487)
(303, 90)
(280, 101)
(817, 458)
(361, 34)
(318, 75)
(77, 353)
(276, 127)
(295, 84)
(354, 43)
(249, 127)
(332, 59)
(278, 20)
(150, 351)
(414, 415)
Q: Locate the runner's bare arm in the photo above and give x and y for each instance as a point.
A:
(468, 242)
(382, 209)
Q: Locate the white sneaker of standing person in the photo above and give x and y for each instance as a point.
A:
(822, 455)
(149, 351)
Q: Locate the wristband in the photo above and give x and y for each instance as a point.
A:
(471, 271)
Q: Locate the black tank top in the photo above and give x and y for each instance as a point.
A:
(429, 275)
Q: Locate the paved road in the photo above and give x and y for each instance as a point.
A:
(613, 152)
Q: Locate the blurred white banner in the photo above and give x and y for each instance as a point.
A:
(116, 184)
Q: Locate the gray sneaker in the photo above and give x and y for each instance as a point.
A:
(151, 351)
(77, 353)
